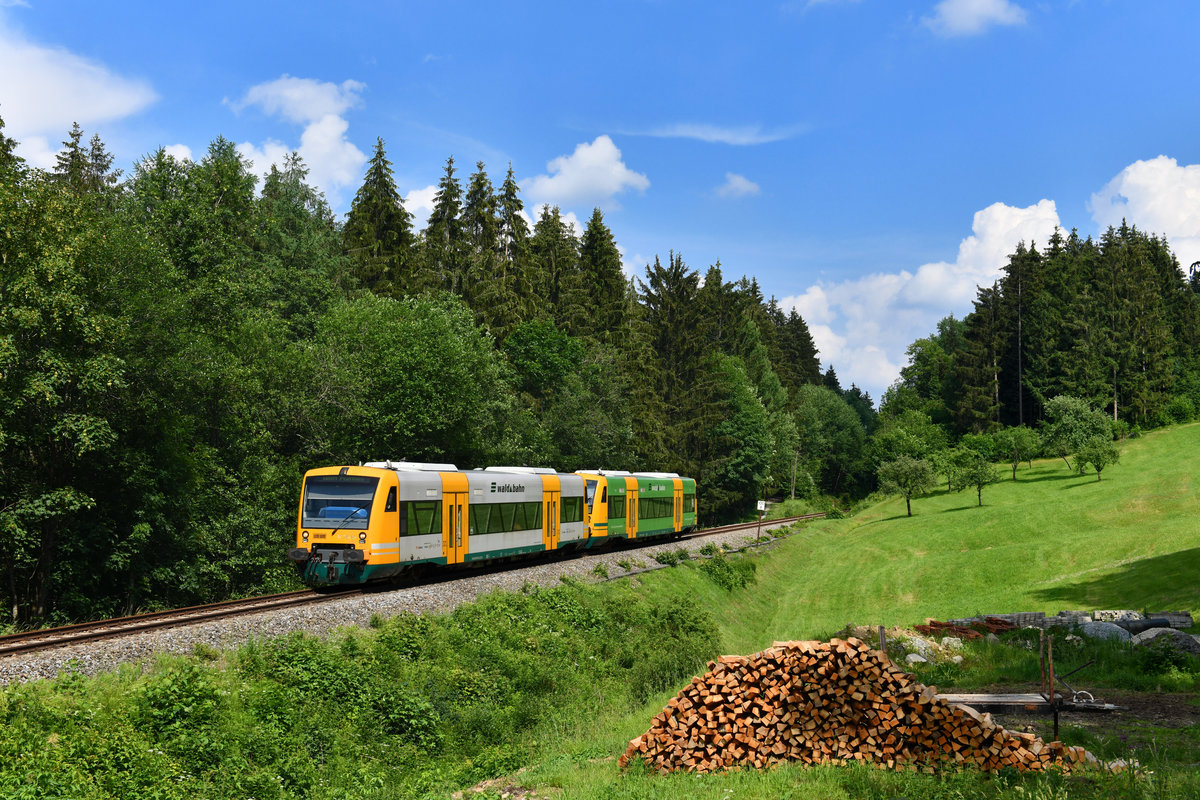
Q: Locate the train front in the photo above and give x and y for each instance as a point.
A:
(339, 510)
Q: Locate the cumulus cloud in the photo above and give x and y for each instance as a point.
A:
(863, 326)
(972, 17)
(302, 100)
(737, 186)
(1159, 196)
(180, 152)
(419, 203)
(45, 89)
(593, 174)
(735, 135)
(333, 161)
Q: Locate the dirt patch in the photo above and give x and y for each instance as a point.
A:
(1142, 709)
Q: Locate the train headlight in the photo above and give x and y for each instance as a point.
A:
(304, 536)
(362, 537)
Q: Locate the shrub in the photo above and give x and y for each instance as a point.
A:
(667, 557)
(709, 550)
(624, 564)
(729, 575)
(600, 570)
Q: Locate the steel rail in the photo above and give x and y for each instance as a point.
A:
(47, 638)
(80, 633)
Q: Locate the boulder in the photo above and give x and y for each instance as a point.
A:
(914, 658)
(1180, 640)
(921, 646)
(952, 643)
(1104, 630)
(1113, 616)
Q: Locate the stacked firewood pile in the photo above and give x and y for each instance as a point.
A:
(829, 702)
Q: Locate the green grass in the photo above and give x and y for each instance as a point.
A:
(1051, 540)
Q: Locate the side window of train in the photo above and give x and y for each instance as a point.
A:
(391, 500)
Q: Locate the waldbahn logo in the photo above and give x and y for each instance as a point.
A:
(506, 488)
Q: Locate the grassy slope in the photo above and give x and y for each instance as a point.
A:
(1051, 540)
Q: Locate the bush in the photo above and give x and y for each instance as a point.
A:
(600, 570)
(1181, 409)
(729, 575)
(667, 557)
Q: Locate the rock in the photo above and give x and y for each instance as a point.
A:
(1113, 616)
(957, 659)
(993, 638)
(1179, 640)
(1074, 640)
(914, 658)
(952, 642)
(1104, 630)
(920, 646)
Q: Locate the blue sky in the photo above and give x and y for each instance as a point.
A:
(870, 161)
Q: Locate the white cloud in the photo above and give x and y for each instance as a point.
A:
(333, 161)
(302, 100)
(737, 186)
(972, 17)
(45, 89)
(593, 174)
(180, 152)
(419, 203)
(1159, 196)
(716, 134)
(863, 326)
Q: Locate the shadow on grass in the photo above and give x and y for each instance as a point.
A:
(1148, 584)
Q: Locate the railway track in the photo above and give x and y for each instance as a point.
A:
(48, 638)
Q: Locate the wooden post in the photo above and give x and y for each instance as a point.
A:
(882, 640)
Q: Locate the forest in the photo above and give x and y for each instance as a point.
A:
(178, 345)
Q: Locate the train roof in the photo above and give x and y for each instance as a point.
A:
(411, 466)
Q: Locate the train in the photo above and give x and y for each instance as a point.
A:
(380, 519)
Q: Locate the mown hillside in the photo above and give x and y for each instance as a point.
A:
(1053, 539)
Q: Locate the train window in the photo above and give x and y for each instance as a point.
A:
(424, 517)
(689, 504)
(391, 500)
(571, 509)
(655, 507)
(616, 507)
(591, 493)
(338, 501)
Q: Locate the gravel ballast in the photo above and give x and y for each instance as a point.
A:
(323, 618)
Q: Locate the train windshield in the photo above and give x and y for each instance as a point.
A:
(338, 501)
(591, 494)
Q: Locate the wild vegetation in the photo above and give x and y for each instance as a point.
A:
(179, 344)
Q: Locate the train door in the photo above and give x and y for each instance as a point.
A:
(631, 508)
(454, 532)
(551, 524)
(678, 509)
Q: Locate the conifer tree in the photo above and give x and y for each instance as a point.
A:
(446, 247)
(481, 228)
(554, 253)
(603, 283)
(515, 252)
(71, 164)
(100, 175)
(378, 235)
(978, 367)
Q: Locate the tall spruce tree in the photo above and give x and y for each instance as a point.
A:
(554, 253)
(481, 228)
(446, 247)
(978, 367)
(515, 253)
(71, 163)
(602, 281)
(378, 234)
